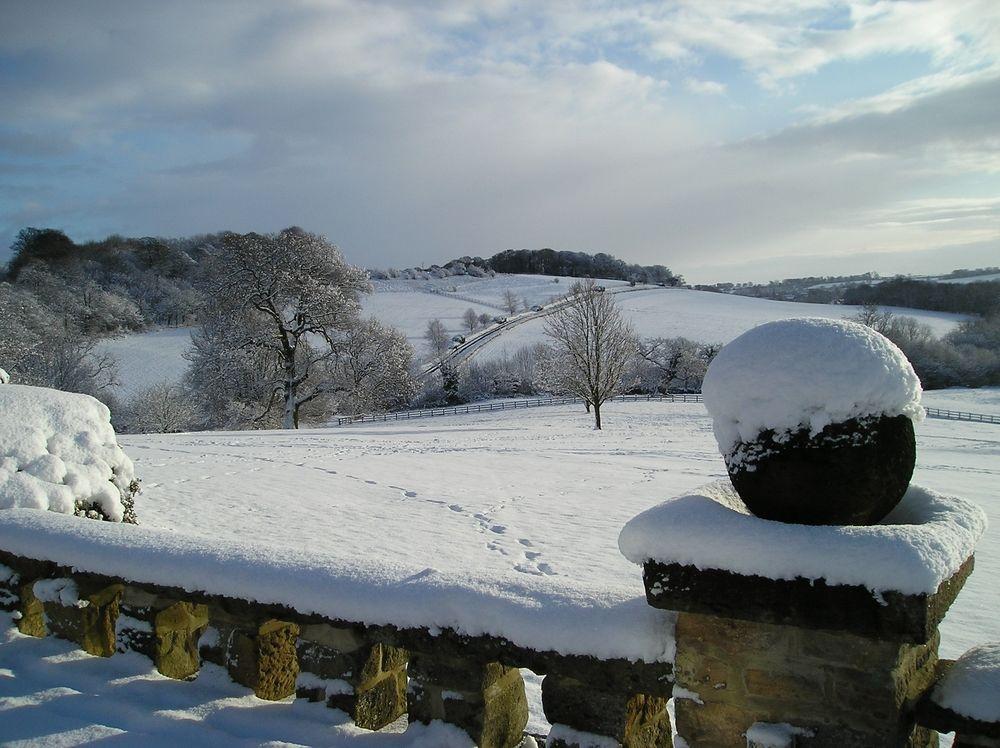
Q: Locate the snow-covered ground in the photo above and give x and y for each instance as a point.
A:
(410, 311)
(408, 305)
(531, 499)
(705, 316)
(971, 279)
(983, 400)
(149, 358)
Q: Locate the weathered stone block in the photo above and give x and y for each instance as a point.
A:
(634, 720)
(91, 622)
(177, 629)
(487, 701)
(379, 679)
(265, 659)
(787, 677)
(32, 620)
(802, 603)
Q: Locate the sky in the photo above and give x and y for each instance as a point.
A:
(726, 139)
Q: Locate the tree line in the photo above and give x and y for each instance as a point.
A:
(280, 337)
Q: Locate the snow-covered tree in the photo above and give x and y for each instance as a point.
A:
(594, 343)
(162, 408)
(673, 364)
(371, 369)
(436, 336)
(470, 319)
(287, 295)
(510, 302)
(40, 347)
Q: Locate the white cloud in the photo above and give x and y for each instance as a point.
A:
(411, 132)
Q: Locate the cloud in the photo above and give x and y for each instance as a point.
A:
(413, 132)
(704, 87)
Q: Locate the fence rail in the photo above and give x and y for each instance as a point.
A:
(540, 402)
(958, 415)
(537, 402)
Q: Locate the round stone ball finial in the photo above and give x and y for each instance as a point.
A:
(814, 418)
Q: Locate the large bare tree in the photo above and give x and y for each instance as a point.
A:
(594, 343)
(289, 296)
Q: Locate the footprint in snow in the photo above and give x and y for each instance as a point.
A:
(498, 529)
(531, 555)
(525, 542)
(455, 508)
(371, 483)
(525, 569)
(546, 569)
(410, 494)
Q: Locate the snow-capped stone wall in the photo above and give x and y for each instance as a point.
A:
(58, 452)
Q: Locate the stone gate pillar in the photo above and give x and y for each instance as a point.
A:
(810, 585)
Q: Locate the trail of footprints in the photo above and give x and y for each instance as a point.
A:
(529, 564)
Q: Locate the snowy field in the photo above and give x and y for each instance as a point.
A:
(149, 358)
(704, 316)
(410, 311)
(531, 500)
(408, 305)
(983, 400)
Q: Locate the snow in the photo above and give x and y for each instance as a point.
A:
(531, 497)
(54, 694)
(330, 686)
(984, 400)
(775, 734)
(578, 737)
(410, 311)
(147, 359)
(705, 316)
(408, 305)
(807, 372)
(922, 542)
(63, 591)
(58, 448)
(970, 279)
(542, 475)
(972, 685)
(6, 574)
(4, 377)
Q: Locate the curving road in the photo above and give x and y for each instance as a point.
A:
(477, 341)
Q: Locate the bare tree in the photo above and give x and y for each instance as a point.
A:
(678, 364)
(510, 301)
(162, 408)
(288, 295)
(873, 316)
(471, 319)
(595, 344)
(437, 337)
(484, 319)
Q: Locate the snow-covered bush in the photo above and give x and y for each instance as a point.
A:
(58, 452)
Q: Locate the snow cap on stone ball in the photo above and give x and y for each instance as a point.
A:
(806, 373)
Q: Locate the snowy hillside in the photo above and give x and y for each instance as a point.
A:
(410, 304)
(705, 316)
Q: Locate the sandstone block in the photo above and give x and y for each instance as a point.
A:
(265, 659)
(177, 629)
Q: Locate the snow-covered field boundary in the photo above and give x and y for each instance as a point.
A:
(490, 407)
(542, 402)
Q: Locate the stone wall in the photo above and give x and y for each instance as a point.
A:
(374, 673)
